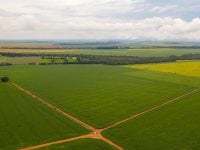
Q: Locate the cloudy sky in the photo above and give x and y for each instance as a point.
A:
(103, 19)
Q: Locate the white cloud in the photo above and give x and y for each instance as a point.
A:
(80, 19)
(163, 9)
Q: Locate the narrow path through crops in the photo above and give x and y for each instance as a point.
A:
(91, 135)
(56, 142)
(95, 133)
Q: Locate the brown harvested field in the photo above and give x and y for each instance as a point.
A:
(29, 45)
(35, 50)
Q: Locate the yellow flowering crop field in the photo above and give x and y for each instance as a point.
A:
(186, 68)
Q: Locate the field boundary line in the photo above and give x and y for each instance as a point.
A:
(55, 108)
(151, 109)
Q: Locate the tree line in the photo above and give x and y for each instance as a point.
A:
(5, 64)
(104, 59)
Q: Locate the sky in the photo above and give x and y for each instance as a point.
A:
(103, 19)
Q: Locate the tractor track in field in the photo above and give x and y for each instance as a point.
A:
(95, 133)
(56, 142)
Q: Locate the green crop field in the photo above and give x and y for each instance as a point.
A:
(26, 122)
(165, 77)
(86, 90)
(99, 95)
(141, 52)
(87, 144)
(173, 127)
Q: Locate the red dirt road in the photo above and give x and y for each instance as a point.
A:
(95, 135)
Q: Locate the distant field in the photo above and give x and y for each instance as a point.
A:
(87, 144)
(26, 122)
(185, 44)
(20, 60)
(36, 60)
(86, 90)
(35, 51)
(173, 127)
(155, 52)
(28, 45)
(186, 68)
(141, 52)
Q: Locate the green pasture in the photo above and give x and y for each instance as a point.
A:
(26, 122)
(98, 94)
(172, 127)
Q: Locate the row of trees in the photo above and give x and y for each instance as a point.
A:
(103, 59)
(123, 60)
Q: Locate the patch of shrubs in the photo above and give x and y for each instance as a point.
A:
(5, 64)
(33, 63)
(5, 79)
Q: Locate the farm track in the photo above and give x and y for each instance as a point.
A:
(95, 133)
(56, 142)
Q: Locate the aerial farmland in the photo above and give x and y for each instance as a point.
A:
(98, 106)
(99, 75)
